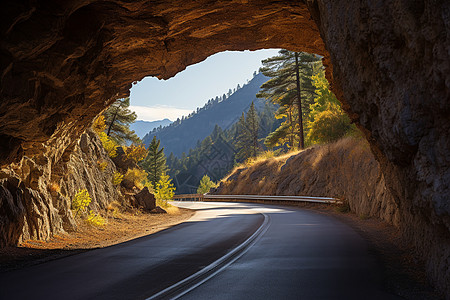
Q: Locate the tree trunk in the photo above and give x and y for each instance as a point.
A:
(301, 143)
(113, 120)
(291, 136)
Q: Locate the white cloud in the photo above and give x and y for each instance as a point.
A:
(154, 113)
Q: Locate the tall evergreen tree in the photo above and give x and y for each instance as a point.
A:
(252, 122)
(118, 118)
(242, 140)
(217, 131)
(291, 87)
(155, 162)
(247, 134)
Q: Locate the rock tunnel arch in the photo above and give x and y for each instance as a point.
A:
(63, 62)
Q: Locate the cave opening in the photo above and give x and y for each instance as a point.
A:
(387, 63)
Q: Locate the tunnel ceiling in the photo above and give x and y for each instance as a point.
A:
(63, 62)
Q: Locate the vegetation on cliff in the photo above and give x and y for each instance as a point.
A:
(296, 84)
(137, 166)
(345, 169)
(118, 118)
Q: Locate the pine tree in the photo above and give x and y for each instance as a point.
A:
(217, 131)
(290, 87)
(118, 118)
(267, 121)
(155, 162)
(247, 134)
(252, 122)
(242, 139)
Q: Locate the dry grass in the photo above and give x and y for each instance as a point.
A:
(172, 210)
(345, 169)
(264, 158)
(123, 227)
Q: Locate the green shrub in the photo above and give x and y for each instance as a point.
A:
(343, 208)
(149, 185)
(81, 201)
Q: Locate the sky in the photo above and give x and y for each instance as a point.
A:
(153, 99)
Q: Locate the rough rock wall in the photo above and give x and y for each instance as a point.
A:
(35, 196)
(391, 67)
(62, 62)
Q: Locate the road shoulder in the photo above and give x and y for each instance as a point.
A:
(125, 227)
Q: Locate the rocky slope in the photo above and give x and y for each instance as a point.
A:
(63, 62)
(36, 196)
(347, 170)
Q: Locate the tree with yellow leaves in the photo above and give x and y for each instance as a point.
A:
(327, 121)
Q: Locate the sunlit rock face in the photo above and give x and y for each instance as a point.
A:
(62, 62)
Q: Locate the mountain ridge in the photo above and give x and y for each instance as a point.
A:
(141, 127)
(199, 125)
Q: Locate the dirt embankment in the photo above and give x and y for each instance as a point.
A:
(345, 169)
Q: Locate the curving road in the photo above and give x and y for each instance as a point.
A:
(294, 254)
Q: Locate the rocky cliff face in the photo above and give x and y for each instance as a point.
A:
(36, 196)
(62, 62)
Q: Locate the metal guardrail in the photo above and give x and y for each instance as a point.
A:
(200, 197)
(194, 197)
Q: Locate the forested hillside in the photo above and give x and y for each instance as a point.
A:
(218, 153)
(182, 135)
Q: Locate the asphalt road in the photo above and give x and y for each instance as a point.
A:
(299, 255)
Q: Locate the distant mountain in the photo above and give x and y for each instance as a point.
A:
(182, 135)
(143, 127)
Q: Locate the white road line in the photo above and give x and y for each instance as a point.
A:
(244, 247)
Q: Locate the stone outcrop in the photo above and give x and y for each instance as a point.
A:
(145, 199)
(62, 62)
(35, 196)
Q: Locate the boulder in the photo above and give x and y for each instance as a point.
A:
(145, 199)
(128, 184)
